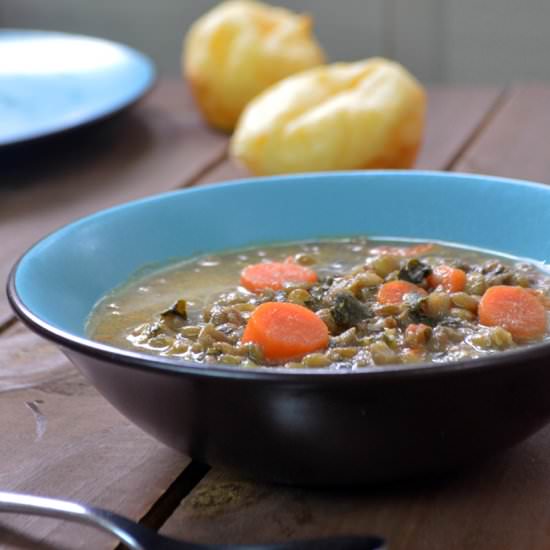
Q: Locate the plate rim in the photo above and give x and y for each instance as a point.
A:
(87, 119)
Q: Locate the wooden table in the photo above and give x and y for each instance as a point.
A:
(60, 438)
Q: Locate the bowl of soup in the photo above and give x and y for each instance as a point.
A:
(319, 329)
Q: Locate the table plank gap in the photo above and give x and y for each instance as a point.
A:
(515, 143)
(454, 114)
(476, 134)
(7, 324)
(15, 326)
(212, 167)
(163, 508)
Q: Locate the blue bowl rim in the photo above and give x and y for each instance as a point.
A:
(173, 366)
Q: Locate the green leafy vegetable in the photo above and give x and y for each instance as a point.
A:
(179, 309)
(415, 271)
(347, 311)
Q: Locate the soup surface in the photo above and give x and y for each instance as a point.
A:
(342, 304)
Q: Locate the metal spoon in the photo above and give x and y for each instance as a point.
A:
(138, 537)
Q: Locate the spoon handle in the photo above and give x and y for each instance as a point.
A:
(138, 537)
(128, 532)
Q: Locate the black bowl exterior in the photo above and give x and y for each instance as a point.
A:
(333, 430)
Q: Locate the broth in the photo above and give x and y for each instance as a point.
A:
(381, 302)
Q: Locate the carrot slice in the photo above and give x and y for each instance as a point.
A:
(285, 331)
(403, 251)
(450, 278)
(274, 275)
(394, 291)
(516, 309)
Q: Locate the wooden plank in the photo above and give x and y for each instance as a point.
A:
(28, 361)
(160, 145)
(225, 171)
(515, 143)
(454, 115)
(61, 438)
(13, 326)
(224, 508)
(501, 505)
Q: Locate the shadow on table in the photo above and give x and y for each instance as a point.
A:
(27, 164)
(497, 502)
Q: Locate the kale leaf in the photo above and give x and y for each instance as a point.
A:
(347, 311)
(414, 271)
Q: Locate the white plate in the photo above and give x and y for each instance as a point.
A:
(51, 82)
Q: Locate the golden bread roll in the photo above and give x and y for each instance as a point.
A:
(368, 114)
(240, 48)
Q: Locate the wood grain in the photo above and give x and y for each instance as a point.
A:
(27, 361)
(156, 147)
(515, 143)
(454, 117)
(61, 438)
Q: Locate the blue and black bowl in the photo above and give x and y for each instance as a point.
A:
(318, 427)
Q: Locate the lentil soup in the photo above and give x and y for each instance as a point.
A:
(341, 304)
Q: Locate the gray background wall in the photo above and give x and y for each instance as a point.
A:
(445, 41)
